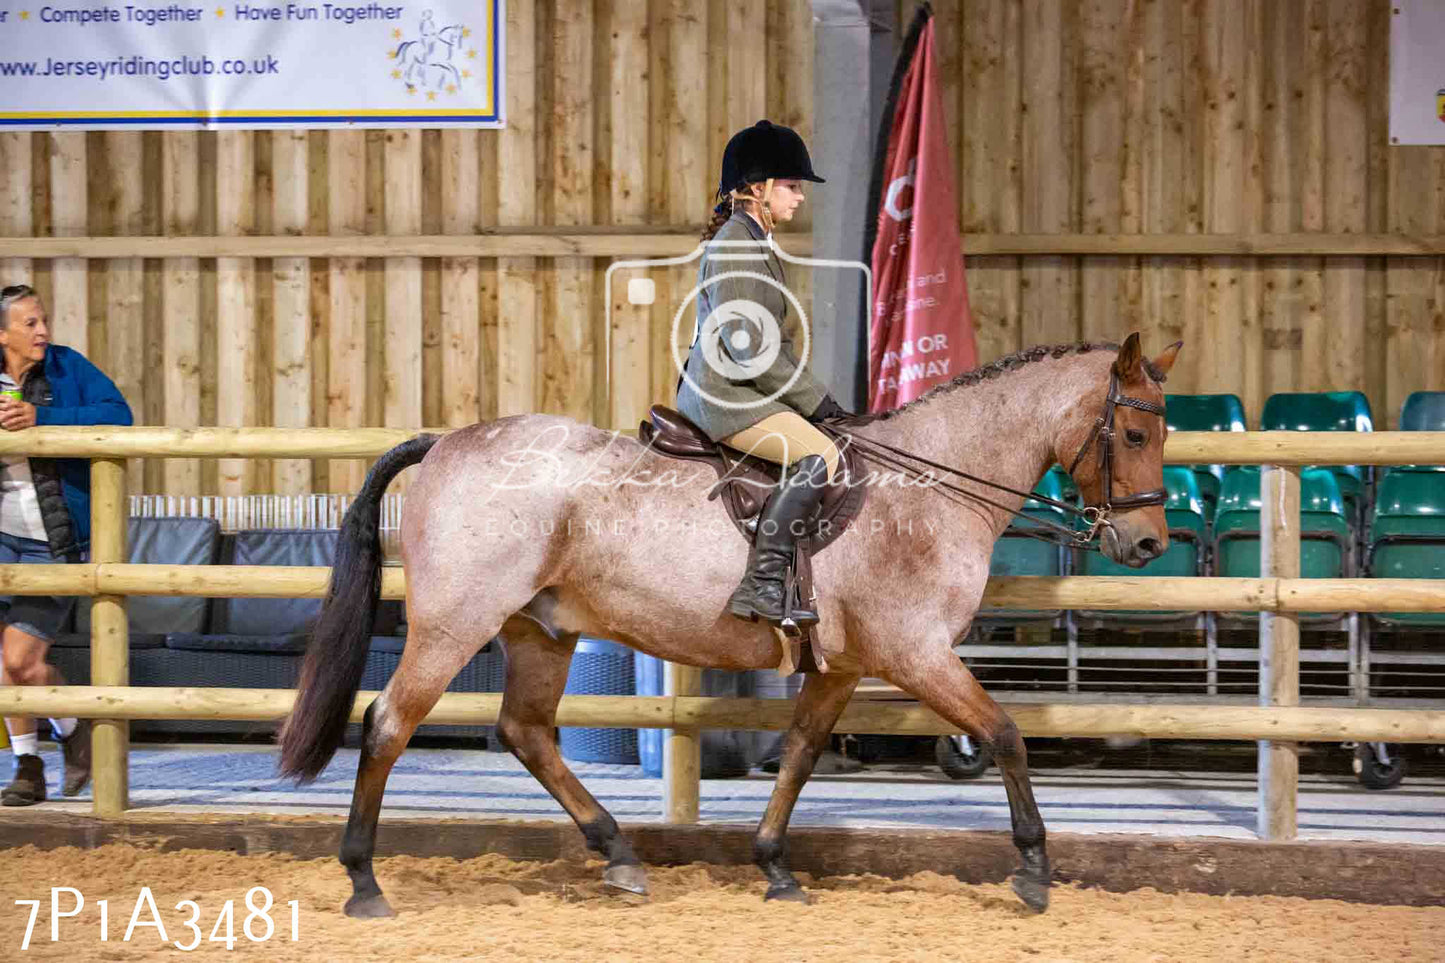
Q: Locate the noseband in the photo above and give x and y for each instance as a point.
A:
(1097, 514)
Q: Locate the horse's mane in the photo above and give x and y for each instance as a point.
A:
(1000, 367)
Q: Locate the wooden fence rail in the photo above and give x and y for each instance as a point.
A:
(1246, 723)
(1294, 448)
(1161, 594)
(1279, 721)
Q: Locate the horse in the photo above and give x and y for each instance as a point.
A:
(418, 56)
(539, 529)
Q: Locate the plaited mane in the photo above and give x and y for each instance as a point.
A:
(1001, 367)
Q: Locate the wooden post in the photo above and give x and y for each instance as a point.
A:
(109, 637)
(1279, 651)
(682, 755)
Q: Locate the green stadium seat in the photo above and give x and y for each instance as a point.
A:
(1423, 411)
(1325, 543)
(1017, 553)
(1184, 512)
(1407, 537)
(1325, 411)
(1206, 413)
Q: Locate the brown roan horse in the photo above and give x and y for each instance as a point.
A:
(540, 529)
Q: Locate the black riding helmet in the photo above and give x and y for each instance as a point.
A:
(762, 151)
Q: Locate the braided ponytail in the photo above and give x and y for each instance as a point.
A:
(720, 215)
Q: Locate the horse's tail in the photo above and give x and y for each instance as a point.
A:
(336, 656)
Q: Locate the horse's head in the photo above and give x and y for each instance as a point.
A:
(1114, 449)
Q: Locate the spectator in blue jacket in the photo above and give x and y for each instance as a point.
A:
(44, 519)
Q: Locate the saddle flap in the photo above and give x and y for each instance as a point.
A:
(746, 481)
(673, 434)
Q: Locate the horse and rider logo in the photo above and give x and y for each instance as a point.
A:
(426, 62)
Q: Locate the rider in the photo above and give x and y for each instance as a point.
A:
(736, 383)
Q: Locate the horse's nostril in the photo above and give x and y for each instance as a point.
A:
(1150, 548)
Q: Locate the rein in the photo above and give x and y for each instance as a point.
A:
(1096, 516)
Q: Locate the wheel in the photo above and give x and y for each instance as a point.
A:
(968, 761)
(1375, 774)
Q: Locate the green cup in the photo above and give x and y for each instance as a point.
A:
(11, 393)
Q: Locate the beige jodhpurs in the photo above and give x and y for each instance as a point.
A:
(784, 438)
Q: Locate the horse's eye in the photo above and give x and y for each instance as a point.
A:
(1135, 438)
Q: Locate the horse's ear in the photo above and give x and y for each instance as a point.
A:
(1160, 366)
(1129, 366)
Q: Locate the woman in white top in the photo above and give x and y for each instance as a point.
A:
(44, 519)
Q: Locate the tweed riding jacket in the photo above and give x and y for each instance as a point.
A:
(743, 399)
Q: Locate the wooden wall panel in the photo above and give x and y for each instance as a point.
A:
(517, 308)
(629, 391)
(1048, 302)
(401, 343)
(16, 212)
(1105, 117)
(124, 358)
(236, 403)
(346, 316)
(990, 146)
(569, 347)
(461, 286)
(1166, 205)
(686, 177)
(291, 305)
(69, 304)
(1105, 52)
(1341, 341)
(181, 300)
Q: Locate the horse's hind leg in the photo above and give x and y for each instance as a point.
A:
(418, 682)
(536, 676)
(941, 682)
(819, 705)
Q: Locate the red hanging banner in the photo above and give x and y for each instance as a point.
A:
(921, 333)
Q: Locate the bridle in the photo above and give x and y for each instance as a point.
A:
(1097, 516)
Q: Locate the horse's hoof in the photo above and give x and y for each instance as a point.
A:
(369, 908)
(628, 877)
(789, 894)
(1033, 892)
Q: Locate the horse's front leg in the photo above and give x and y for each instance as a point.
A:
(819, 705)
(940, 681)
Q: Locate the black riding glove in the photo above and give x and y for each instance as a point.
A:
(827, 409)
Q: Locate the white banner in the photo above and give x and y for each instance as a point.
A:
(158, 65)
(1417, 72)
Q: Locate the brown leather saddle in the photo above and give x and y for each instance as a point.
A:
(744, 484)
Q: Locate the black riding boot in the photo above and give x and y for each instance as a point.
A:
(760, 594)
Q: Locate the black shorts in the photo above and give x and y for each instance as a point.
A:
(43, 616)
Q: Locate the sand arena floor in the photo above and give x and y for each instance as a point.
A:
(495, 908)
